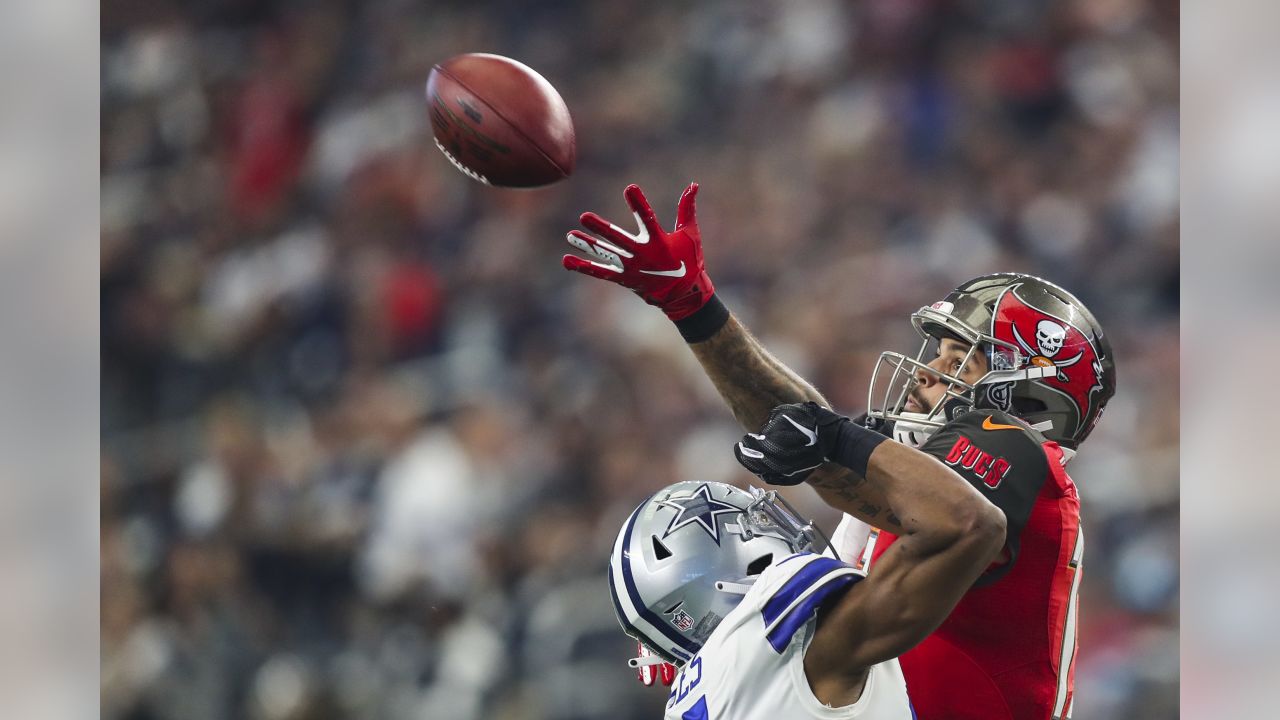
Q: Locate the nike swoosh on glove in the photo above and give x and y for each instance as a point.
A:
(794, 441)
(664, 268)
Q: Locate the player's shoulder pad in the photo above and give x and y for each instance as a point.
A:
(793, 588)
(990, 446)
(784, 567)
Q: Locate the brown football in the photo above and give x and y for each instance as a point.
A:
(499, 122)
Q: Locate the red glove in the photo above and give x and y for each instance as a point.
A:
(662, 672)
(663, 268)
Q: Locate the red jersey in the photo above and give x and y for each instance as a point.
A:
(1007, 651)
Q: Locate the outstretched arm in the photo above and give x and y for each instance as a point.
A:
(666, 269)
(752, 382)
(749, 379)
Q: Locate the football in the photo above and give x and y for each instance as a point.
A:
(499, 122)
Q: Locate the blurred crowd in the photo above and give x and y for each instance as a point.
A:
(366, 446)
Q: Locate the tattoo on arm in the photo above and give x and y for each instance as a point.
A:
(848, 491)
(750, 380)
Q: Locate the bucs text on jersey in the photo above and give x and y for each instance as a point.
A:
(1007, 651)
(752, 665)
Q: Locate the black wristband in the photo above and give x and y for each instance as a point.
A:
(704, 322)
(853, 445)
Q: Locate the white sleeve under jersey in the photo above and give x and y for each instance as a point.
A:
(752, 666)
(849, 540)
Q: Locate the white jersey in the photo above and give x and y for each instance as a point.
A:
(752, 665)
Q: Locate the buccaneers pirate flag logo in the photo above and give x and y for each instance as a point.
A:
(1052, 342)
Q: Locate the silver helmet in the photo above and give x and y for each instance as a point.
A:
(685, 557)
(1047, 358)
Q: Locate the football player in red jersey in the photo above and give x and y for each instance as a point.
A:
(1012, 375)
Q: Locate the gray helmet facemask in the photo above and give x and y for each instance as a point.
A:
(896, 375)
(686, 556)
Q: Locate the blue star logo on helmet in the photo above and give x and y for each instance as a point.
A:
(698, 508)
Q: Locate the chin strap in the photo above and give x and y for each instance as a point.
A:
(736, 587)
(911, 433)
(909, 430)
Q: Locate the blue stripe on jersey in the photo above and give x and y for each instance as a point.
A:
(698, 711)
(796, 586)
(789, 558)
(781, 635)
(645, 612)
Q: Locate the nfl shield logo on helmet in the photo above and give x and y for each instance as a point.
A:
(683, 621)
(680, 618)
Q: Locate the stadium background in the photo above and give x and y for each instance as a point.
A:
(365, 445)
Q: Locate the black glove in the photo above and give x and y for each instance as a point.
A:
(795, 440)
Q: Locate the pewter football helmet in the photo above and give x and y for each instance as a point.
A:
(686, 556)
(1048, 361)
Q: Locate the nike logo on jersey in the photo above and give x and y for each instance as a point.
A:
(811, 434)
(678, 272)
(988, 425)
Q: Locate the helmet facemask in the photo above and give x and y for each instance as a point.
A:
(770, 514)
(896, 375)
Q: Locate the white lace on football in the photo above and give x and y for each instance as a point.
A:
(465, 170)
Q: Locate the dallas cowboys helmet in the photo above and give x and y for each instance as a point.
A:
(686, 556)
(1048, 360)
